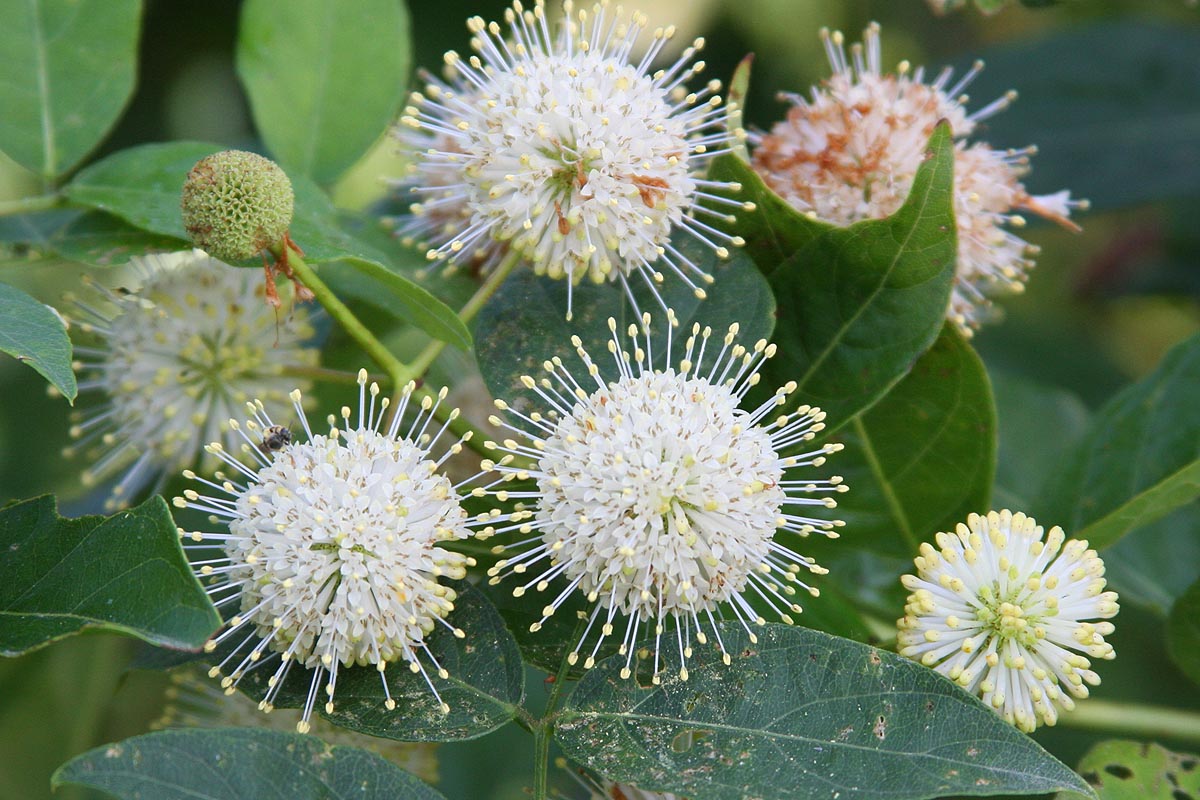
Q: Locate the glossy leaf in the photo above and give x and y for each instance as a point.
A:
(1114, 109)
(525, 322)
(1141, 457)
(1183, 632)
(409, 301)
(864, 301)
(303, 64)
(485, 687)
(34, 334)
(237, 763)
(67, 72)
(1124, 770)
(800, 714)
(141, 185)
(923, 457)
(125, 573)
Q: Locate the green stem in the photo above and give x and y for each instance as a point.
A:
(1134, 719)
(468, 312)
(399, 372)
(545, 727)
(325, 375)
(41, 202)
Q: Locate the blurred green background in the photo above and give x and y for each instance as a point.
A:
(1111, 94)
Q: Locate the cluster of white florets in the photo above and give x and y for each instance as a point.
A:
(850, 151)
(658, 498)
(565, 150)
(1004, 614)
(334, 547)
(176, 355)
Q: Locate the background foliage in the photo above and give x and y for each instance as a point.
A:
(1094, 421)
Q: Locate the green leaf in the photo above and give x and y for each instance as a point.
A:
(33, 333)
(303, 64)
(485, 687)
(800, 714)
(1154, 565)
(384, 287)
(1037, 425)
(125, 573)
(923, 457)
(1116, 118)
(864, 301)
(103, 240)
(1124, 770)
(141, 185)
(239, 763)
(524, 323)
(1183, 632)
(1141, 457)
(67, 72)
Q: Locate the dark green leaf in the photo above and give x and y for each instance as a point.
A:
(32, 333)
(416, 305)
(1183, 632)
(141, 185)
(525, 323)
(862, 301)
(24, 233)
(1124, 770)
(1114, 109)
(1155, 564)
(923, 457)
(1141, 457)
(800, 714)
(67, 71)
(103, 240)
(124, 573)
(239, 763)
(1037, 425)
(485, 687)
(325, 77)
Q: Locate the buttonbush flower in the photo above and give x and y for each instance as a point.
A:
(175, 357)
(851, 151)
(193, 702)
(568, 149)
(333, 552)
(658, 498)
(1004, 613)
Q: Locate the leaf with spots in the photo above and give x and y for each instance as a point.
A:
(800, 715)
(125, 573)
(236, 763)
(1124, 770)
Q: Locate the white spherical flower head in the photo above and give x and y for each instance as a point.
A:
(1004, 614)
(176, 357)
(659, 498)
(851, 151)
(567, 149)
(333, 551)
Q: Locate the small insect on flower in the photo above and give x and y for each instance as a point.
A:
(658, 497)
(568, 151)
(850, 152)
(334, 550)
(275, 438)
(1003, 613)
(176, 355)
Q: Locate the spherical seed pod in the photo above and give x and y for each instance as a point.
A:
(235, 204)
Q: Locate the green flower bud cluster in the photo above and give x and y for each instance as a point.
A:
(235, 204)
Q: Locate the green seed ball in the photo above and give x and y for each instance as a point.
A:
(235, 204)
